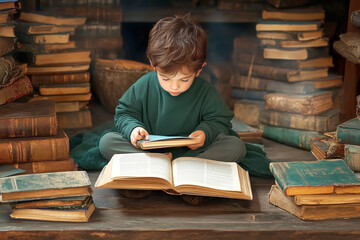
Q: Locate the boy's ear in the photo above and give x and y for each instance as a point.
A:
(152, 65)
(199, 71)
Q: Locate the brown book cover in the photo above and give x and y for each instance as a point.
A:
(83, 77)
(31, 119)
(45, 48)
(326, 148)
(33, 149)
(46, 70)
(294, 14)
(47, 166)
(15, 89)
(4, 17)
(42, 17)
(63, 98)
(64, 88)
(78, 119)
(6, 45)
(57, 58)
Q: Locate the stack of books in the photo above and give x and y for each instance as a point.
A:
(61, 196)
(59, 71)
(286, 71)
(31, 140)
(316, 190)
(13, 84)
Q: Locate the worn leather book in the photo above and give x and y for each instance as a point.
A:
(248, 111)
(47, 166)
(4, 17)
(67, 78)
(310, 104)
(42, 70)
(246, 132)
(64, 202)
(64, 88)
(300, 36)
(63, 98)
(43, 38)
(8, 69)
(349, 132)
(37, 28)
(349, 46)
(352, 156)
(292, 26)
(57, 58)
(326, 148)
(294, 14)
(78, 119)
(32, 149)
(31, 119)
(295, 53)
(313, 212)
(45, 48)
(42, 17)
(319, 42)
(7, 30)
(6, 45)
(14, 89)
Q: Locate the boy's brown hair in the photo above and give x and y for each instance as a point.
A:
(175, 42)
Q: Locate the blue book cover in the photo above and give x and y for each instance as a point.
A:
(349, 132)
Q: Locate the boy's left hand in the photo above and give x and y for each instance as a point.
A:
(201, 136)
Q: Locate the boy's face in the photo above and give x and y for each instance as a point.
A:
(178, 83)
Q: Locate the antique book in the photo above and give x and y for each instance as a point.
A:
(301, 36)
(294, 14)
(15, 89)
(352, 156)
(268, 25)
(243, 93)
(55, 214)
(312, 212)
(8, 69)
(60, 203)
(326, 199)
(7, 170)
(310, 104)
(6, 5)
(315, 177)
(47, 166)
(349, 46)
(319, 42)
(43, 38)
(42, 70)
(31, 149)
(349, 132)
(64, 88)
(44, 186)
(77, 119)
(288, 136)
(31, 119)
(304, 87)
(6, 45)
(68, 78)
(287, 3)
(67, 57)
(158, 141)
(46, 47)
(63, 98)
(36, 28)
(42, 17)
(4, 17)
(246, 132)
(70, 106)
(345, 51)
(7, 30)
(295, 53)
(257, 58)
(326, 148)
(248, 111)
(185, 175)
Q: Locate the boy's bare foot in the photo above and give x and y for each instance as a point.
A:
(134, 193)
(195, 200)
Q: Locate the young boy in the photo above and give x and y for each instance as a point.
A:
(173, 100)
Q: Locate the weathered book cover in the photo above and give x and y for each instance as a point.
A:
(352, 40)
(320, 42)
(349, 132)
(36, 28)
(301, 36)
(42, 17)
(6, 45)
(47, 166)
(31, 119)
(324, 122)
(305, 87)
(312, 212)
(242, 93)
(46, 70)
(347, 51)
(15, 89)
(64, 57)
(315, 177)
(294, 14)
(272, 25)
(64, 88)
(43, 38)
(7, 30)
(288, 136)
(248, 111)
(83, 77)
(63, 98)
(246, 132)
(31, 149)
(310, 104)
(58, 203)
(295, 53)
(45, 48)
(70, 106)
(326, 148)
(78, 119)
(352, 156)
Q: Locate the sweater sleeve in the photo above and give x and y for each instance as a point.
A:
(215, 117)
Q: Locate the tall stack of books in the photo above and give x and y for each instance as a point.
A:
(290, 72)
(316, 190)
(60, 196)
(59, 71)
(30, 138)
(13, 84)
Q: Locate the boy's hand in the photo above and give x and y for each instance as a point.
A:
(137, 134)
(201, 136)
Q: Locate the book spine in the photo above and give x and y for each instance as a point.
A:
(270, 72)
(28, 127)
(352, 156)
(47, 166)
(19, 88)
(38, 80)
(348, 135)
(31, 150)
(288, 136)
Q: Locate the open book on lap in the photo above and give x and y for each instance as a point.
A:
(158, 141)
(184, 175)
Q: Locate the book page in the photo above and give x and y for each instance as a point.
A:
(206, 173)
(141, 165)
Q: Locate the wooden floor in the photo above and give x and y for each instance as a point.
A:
(162, 216)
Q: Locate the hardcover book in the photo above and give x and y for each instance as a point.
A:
(37, 28)
(7, 30)
(326, 148)
(301, 36)
(41, 70)
(59, 203)
(267, 25)
(352, 156)
(67, 78)
(294, 14)
(44, 186)
(315, 177)
(45, 47)
(295, 53)
(246, 132)
(64, 88)
(41, 17)
(43, 38)
(15, 89)
(319, 42)
(185, 175)
(47, 166)
(70, 106)
(349, 132)
(63, 98)
(31, 119)
(158, 141)
(68, 57)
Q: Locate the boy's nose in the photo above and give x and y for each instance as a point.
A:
(174, 85)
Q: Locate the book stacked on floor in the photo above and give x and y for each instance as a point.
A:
(59, 71)
(349, 46)
(316, 190)
(60, 196)
(288, 69)
(30, 138)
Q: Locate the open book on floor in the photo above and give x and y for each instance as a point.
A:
(158, 141)
(184, 175)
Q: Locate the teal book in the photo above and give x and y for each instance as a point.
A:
(315, 177)
(241, 93)
(44, 185)
(323, 122)
(246, 132)
(352, 156)
(288, 136)
(349, 132)
(6, 170)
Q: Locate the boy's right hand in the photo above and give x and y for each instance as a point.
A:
(137, 134)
